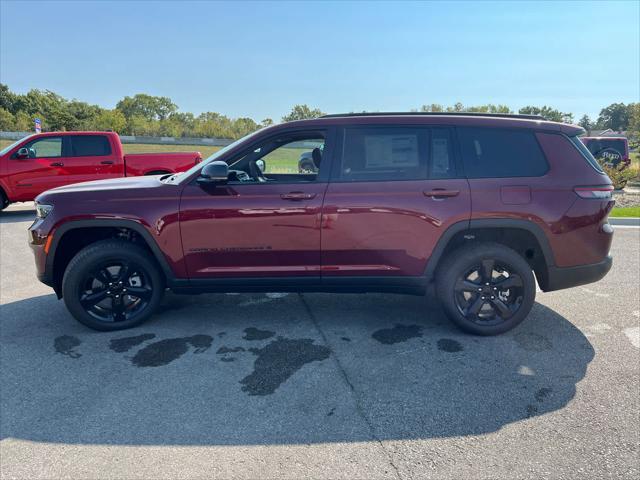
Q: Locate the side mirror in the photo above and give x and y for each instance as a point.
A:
(214, 173)
(261, 164)
(22, 153)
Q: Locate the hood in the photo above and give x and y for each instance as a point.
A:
(111, 187)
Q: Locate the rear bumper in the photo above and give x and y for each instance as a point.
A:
(567, 277)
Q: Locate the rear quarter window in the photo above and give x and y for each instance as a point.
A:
(89, 146)
(499, 153)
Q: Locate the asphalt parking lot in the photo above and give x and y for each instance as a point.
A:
(319, 385)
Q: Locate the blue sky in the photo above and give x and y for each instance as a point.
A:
(259, 59)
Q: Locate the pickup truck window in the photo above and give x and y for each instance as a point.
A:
(8, 148)
(89, 146)
(45, 147)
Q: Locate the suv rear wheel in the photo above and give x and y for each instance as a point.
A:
(487, 289)
(112, 285)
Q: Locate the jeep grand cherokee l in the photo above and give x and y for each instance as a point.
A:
(478, 204)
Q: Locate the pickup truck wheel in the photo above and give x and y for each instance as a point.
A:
(112, 285)
(4, 201)
(486, 289)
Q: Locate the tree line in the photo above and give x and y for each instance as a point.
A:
(144, 114)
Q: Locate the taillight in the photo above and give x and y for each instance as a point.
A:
(597, 192)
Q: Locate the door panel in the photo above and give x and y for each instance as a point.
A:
(387, 228)
(252, 230)
(31, 176)
(89, 157)
(382, 216)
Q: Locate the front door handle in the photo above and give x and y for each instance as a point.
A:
(437, 193)
(297, 196)
(107, 162)
(57, 164)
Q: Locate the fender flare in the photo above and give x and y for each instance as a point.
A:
(134, 225)
(488, 223)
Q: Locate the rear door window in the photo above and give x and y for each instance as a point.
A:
(383, 153)
(89, 146)
(498, 153)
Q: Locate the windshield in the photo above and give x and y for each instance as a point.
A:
(178, 177)
(8, 148)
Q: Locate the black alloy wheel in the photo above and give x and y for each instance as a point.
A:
(116, 291)
(489, 293)
(112, 285)
(486, 288)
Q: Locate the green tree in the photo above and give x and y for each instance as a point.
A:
(147, 106)
(433, 107)
(633, 129)
(267, 122)
(585, 122)
(7, 120)
(615, 117)
(7, 98)
(24, 122)
(302, 112)
(548, 113)
(110, 120)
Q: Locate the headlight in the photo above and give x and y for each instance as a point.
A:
(42, 210)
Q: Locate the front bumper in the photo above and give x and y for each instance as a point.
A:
(567, 277)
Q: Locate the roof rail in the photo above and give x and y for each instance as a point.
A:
(435, 114)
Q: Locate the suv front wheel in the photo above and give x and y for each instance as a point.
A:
(486, 289)
(112, 285)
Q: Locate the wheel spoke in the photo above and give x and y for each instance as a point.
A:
(486, 272)
(104, 277)
(501, 308)
(117, 307)
(123, 273)
(512, 281)
(143, 293)
(93, 298)
(476, 306)
(463, 285)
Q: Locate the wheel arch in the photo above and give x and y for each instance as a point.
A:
(81, 233)
(524, 236)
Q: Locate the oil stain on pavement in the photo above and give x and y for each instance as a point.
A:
(278, 361)
(65, 345)
(163, 352)
(127, 343)
(252, 333)
(449, 345)
(399, 333)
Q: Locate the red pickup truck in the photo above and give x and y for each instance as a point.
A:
(47, 160)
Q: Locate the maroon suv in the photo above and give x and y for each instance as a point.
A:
(477, 204)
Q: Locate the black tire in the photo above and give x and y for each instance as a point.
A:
(463, 283)
(156, 172)
(112, 285)
(4, 201)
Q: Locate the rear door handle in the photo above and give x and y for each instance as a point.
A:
(57, 164)
(107, 162)
(441, 193)
(297, 196)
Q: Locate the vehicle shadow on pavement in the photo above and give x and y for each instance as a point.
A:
(258, 369)
(15, 216)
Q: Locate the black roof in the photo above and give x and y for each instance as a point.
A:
(436, 114)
